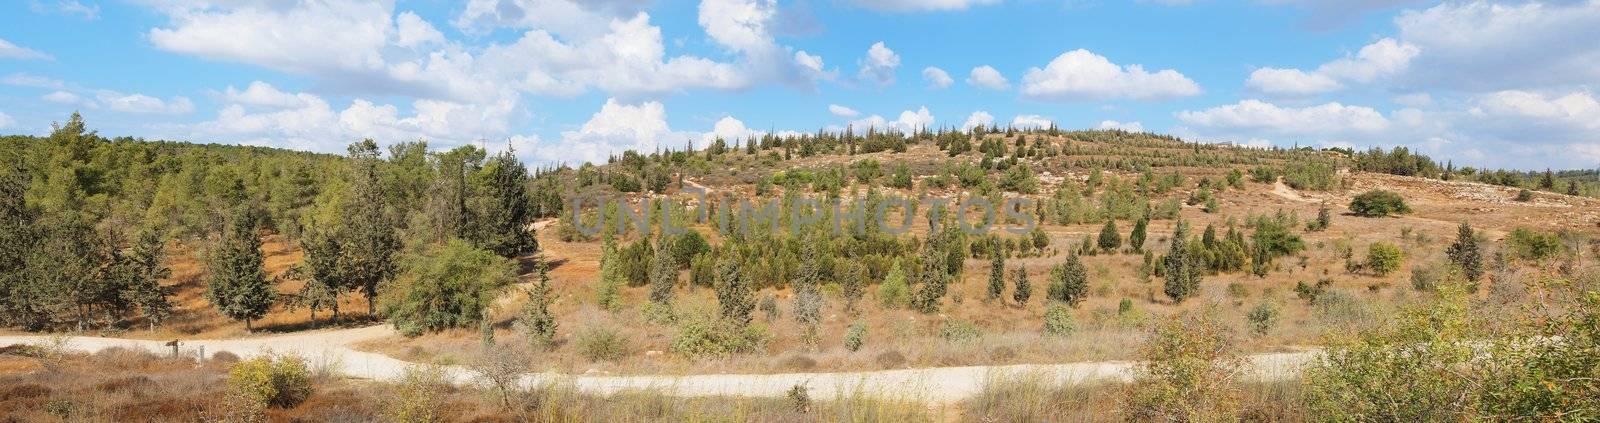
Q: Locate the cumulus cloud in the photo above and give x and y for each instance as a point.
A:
(987, 77)
(564, 18)
(842, 111)
(140, 103)
(263, 94)
(1030, 121)
(1490, 46)
(936, 78)
(13, 51)
(728, 128)
(1126, 126)
(908, 122)
(978, 118)
(1083, 75)
(1382, 59)
(879, 65)
(921, 5)
(412, 31)
(1572, 113)
(61, 97)
(614, 128)
(1257, 115)
(6, 121)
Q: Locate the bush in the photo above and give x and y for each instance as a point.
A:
(702, 337)
(419, 396)
(1423, 278)
(277, 381)
(1529, 245)
(1378, 203)
(1187, 373)
(955, 330)
(601, 344)
(893, 292)
(1383, 258)
(855, 336)
(447, 287)
(1058, 321)
(1262, 318)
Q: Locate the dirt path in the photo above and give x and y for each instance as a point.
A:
(332, 348)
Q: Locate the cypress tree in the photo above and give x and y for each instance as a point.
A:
(932, 280)
(1110, 240)
(536, 316)
(663, 274)
(238, 284)
(1022, 290)
(1069, 282)
(1136, 238)
(1464, 253)
(504, 209)
(142, 272)
(367, 242)
(1180, 270)
(734, 296)
(997, 269)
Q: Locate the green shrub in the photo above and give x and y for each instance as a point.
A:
(446, 287)
(855, 336)
(1058, 320)
(955, 330)
(893, 292)
(1383, 258)
(1527, 244)
(600, 343)
(1187, 372)
(1263, 317)
(1378, 203)
(277, 381)
(703, 337)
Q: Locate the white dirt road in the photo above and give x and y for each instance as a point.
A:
(931, 385)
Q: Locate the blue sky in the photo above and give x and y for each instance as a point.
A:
(1486, 83)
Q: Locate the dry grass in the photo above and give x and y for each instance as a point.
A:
(119, 385)
(1035, 398)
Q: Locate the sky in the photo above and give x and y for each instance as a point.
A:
(1481, 83)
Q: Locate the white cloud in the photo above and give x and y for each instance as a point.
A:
(140, 103)
(908, 122)
(68, 7)
(1577, 110)
(616, 127)
(1126, 126)
(6, 121)
(13, 51)
(33, 81)
(987, 77)
(1290, 82)
(1489, 46)
(1083, 75)
(842, 111)
(1382, 59)
(307, 38)
(729, 129)
(412, 31)
(921, 5)
(61, 97)
(978, 118)
(1030, 121)
(1260, 116)
(936, 78)
(738, 25)
(1414, 99)
(565, 18)
(879, 65)
(265, 95)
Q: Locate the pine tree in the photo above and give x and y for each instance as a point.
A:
(504, 210)
(1572, 188)
(238, 283)
(1464, 253)
(142, 271)
(1110, 240)
(734, 296)
(1548, 181)
(1022, 290)
(1181, 271)
(997, 269)
(367, 242)
(1136, 238)
(536, 316)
